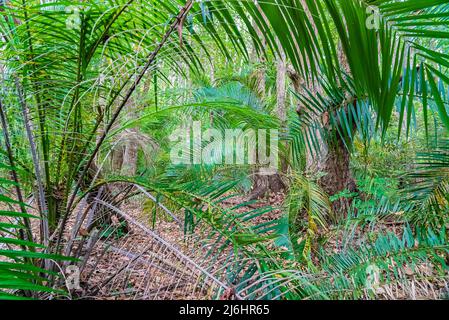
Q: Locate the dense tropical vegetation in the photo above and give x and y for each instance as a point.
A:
(92, 204)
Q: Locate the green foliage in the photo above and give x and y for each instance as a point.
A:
(428, 188)
(80, 84)
(349, 273)
(20, 258)
(308, 210)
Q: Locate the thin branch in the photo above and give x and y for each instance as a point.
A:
(41, 191)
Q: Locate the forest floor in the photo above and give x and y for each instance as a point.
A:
(134, 265)
(135, 242)
(422, 282)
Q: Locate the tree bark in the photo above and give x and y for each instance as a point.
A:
(117, 159)
(129, 167)
(335, 163)
(333, 158)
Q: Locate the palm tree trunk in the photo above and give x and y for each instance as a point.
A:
(117, 159)
(332, 158)
(129, 167)
(335, 163)
(176, 24)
